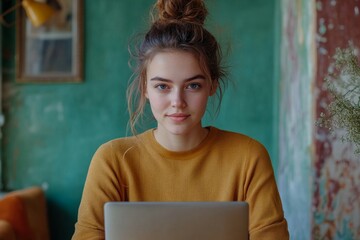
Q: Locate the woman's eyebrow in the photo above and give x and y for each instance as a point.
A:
(160, 79)
(199, 76)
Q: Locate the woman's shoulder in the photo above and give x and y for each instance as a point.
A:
(238, 140)
(227, 135)
(243, 145)
(123, 144)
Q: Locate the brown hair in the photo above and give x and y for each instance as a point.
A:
(176, 25)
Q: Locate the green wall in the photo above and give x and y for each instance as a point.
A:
(52, 130)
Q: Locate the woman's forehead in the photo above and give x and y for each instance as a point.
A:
(175, 62)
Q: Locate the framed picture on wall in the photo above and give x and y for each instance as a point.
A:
(53, 52)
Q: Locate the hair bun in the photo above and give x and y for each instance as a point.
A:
(192, 11)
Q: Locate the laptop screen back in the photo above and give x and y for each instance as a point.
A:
(176, 220)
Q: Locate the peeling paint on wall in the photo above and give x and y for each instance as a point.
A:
(316, 167)
(336, 194)
(297, 67)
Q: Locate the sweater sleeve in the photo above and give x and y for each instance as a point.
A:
(266, 219)
(103, 184)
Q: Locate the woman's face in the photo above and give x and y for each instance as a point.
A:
(178, 91)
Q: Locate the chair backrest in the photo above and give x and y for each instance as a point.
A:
(26, 211)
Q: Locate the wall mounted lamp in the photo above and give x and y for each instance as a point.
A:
(37, 12)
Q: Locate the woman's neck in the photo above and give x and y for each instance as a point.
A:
(180, 142)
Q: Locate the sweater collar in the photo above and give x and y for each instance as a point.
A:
(154, 147)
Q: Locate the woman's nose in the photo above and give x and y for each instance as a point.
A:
(178, 100)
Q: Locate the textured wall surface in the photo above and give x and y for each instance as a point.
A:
(296, 118)
(319, 175)
(336, 191)
(51, 131)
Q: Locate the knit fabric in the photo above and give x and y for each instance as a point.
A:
(225, 166)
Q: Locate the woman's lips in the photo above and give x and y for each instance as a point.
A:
(178, 117)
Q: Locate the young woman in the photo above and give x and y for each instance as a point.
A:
(180, 160)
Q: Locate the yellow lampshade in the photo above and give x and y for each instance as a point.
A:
(37, 12)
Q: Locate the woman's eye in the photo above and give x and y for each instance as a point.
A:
(161, 87)
(194, 86)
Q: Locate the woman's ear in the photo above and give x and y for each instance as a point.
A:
(214, 86)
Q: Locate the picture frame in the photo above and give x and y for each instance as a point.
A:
(53, 52)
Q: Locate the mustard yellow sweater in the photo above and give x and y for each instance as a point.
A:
(226, 166)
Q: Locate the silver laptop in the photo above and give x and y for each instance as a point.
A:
(176, 220)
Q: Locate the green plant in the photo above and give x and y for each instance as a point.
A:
(343, 83)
